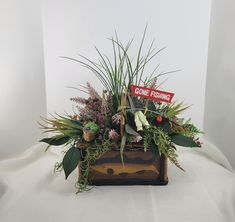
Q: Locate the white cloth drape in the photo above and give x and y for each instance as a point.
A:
(30, 191)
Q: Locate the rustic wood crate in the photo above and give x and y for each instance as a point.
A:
(140, 168)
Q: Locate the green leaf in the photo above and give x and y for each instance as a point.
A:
(115, 103)
(137, 103)
(183, 141)
(166, 126)
(123, 143)
(71, 160)
(56, 140)
(131, 131)
(131, 102)
(154, 149)
(151, 106)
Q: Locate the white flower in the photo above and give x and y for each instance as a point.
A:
(140, 121)
(113, 135)
(137, 139)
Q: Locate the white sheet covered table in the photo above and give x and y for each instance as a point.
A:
(30, 191)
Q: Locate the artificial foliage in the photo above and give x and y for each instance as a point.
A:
(116, 117)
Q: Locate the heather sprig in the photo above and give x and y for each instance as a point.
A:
(92, 92)
(79, 100)
(113, 135)
(95, 108)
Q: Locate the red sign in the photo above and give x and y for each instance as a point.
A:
(152, 94)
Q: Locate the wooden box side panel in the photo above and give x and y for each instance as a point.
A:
(140, 168)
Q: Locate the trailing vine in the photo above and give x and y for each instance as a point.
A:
(147, 140)
(91, 154)
(58, 167)
(163, 143)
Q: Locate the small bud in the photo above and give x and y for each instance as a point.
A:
(159, 118)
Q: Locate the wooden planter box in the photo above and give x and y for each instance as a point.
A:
(140, 168)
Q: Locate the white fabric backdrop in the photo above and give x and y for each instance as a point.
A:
(74, 27)
(30, 191)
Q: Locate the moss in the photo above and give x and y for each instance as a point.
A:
(92, 126)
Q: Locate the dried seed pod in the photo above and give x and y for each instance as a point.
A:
(88, 135)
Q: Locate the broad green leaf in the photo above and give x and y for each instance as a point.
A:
(183, 141)
(56, 140)
(71, 160)
(131, 131)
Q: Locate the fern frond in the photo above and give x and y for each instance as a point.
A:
(191, 130)
(165, 146)
(147, 140)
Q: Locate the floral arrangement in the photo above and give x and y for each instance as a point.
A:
(124, 113)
